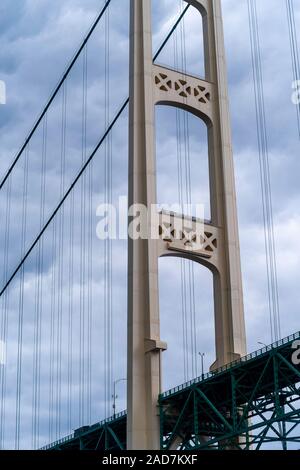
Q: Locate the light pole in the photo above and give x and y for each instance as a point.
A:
(202, 355)
(262, 344)
(116, 396)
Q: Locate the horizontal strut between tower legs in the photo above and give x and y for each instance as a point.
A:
(190, 237)
(184, 91)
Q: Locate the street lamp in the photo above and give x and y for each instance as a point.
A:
(202, 355)
(116, 396)
(262, 344)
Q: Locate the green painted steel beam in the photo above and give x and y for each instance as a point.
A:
(250, 403)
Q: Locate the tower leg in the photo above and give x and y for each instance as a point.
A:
(144, 346)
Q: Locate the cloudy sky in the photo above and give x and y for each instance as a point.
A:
(38, 40)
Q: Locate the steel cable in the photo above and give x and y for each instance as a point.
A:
(266, 189)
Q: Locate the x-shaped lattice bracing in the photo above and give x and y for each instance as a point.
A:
(163, 81)
(183, 88)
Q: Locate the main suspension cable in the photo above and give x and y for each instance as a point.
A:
(82, 170)
(55, 92)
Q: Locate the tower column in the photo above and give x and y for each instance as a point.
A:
(144, 346)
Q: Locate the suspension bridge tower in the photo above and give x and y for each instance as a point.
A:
(151, 85)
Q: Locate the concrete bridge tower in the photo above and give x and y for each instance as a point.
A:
(151, 85)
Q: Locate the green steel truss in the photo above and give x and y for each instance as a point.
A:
(109, 434)
(253, 403)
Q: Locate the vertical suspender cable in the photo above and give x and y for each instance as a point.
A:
(83, 247)
(110, 259)
(52, 331)
(70, 313)
(188, 185)
(184, 198)
(294, 50)
(181, 202)
(90, 289)
(264, 172)
(191, 342)
(61, 261)
(21, 304)
(108, 320)
(4, 312)
(39, 301)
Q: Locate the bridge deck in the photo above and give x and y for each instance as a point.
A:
(248, 403)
